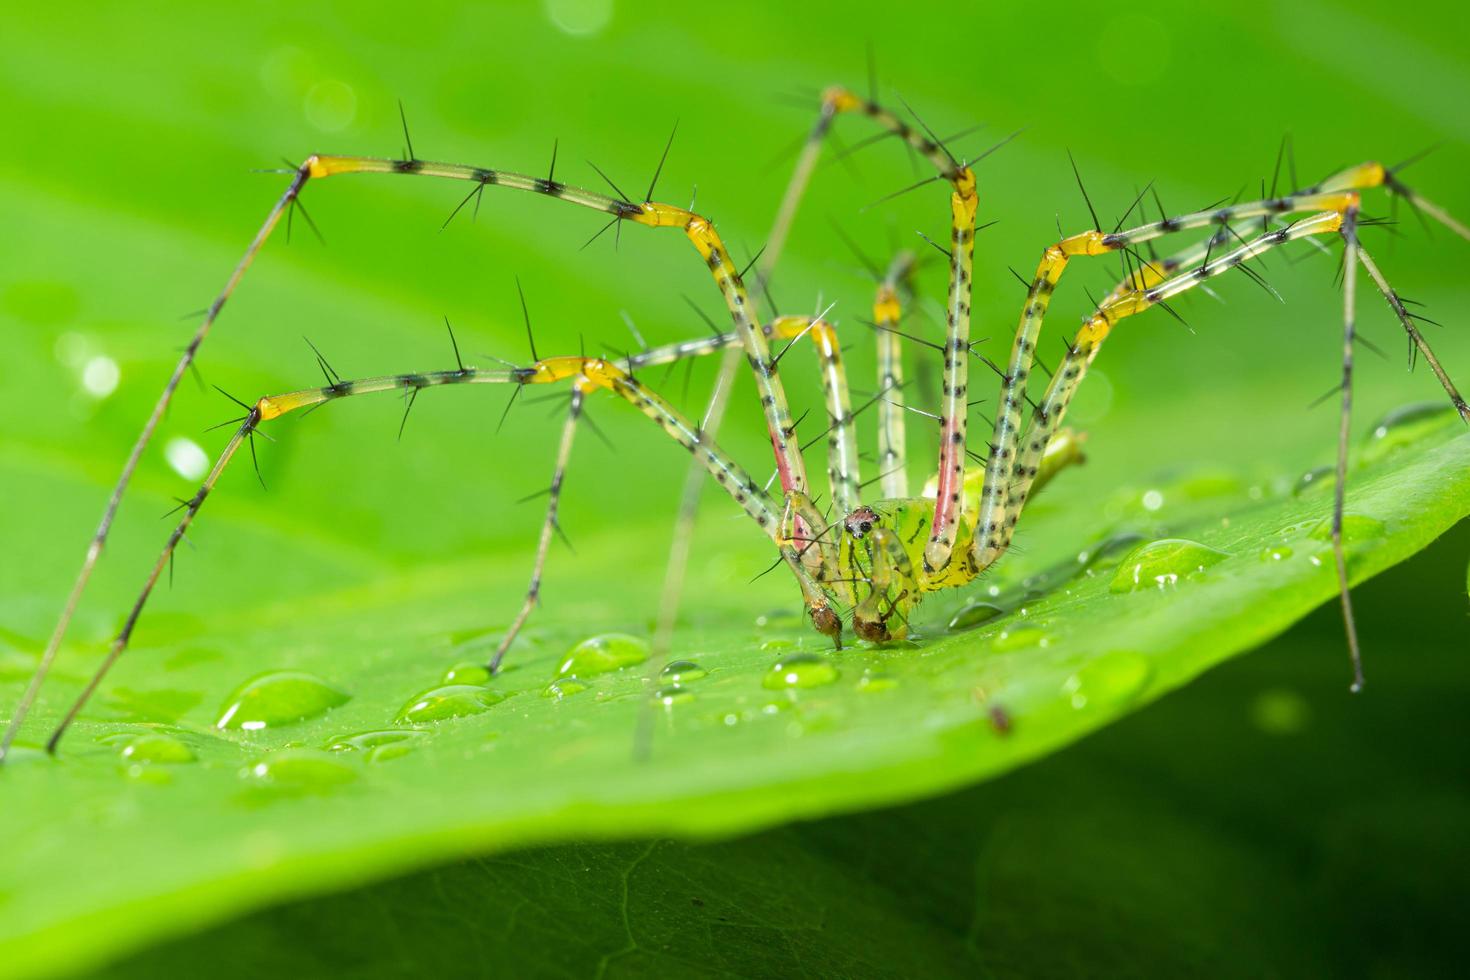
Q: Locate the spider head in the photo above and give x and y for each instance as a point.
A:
(861, 521)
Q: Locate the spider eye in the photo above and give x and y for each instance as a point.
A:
(865, 527)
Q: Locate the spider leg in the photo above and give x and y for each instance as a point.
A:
(1344, 431)
(887, 312)
(580, 387)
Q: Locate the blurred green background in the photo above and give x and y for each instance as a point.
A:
(129, 131)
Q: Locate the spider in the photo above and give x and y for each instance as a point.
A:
(878, 558)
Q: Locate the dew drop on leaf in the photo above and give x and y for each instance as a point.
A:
(682, 672)
(467, 672)
(604, 653)
(1355, 528)
(365, 741)
(279, 698)
(876, 680)
(672, 695)
(450, 701)
(1020, 637)
(1111, 679)
(157, 747)
(300, 770)
(799, 670)
(972, 614)
(1161, 564)
(1314, 477)
(564, 687)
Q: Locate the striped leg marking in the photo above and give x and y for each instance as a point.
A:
(892, 446)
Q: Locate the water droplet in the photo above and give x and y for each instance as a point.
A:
(777, 645)
(1019, 637)
(450, 701)
(1279, 711)
(1209, 485)
(1106, 552)
(580, 17)
(1406, 416)
(301, 771)
(1314, 477)
(682, 672)
(1161, 564)
(19, 754)
(601, 654)
(467, 672)
(279, 698)
(799, 670)
(1404, 426)
(1112, 678)
(1355, 528)
(1153, 500)
(972, 614)
(373, 743)
(1277, 552)
(155, 747)
(876, 680)
(672, 695)
(564, 687)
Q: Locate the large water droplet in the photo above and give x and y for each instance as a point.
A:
(682, 672)
(157, 747)
(379, 746)
(1315, 477)
(601, 654)
(1406, 416)
(300, 771)
(564, 687)
(19, 754)
(1404, 426)
(1112, 678)
(1356, 528)
(1106, 552)
(672, 694)
(451, 701)
(1161, 564)
(972, 614)
(799, 670)
(876, 680)
(279, 698)
(467, 672)
(1019, 637)
(382, 746)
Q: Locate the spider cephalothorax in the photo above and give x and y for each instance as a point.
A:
(861, 521)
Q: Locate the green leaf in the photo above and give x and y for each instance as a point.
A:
(378, 568)
(364, 753)
(1294, 811)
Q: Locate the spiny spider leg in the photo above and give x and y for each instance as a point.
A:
(887, 314)
(586, 374)
(580, 388)
(698, 229)
(1344, 431)
(835, 100)
(1154, 283)
(130, 465)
